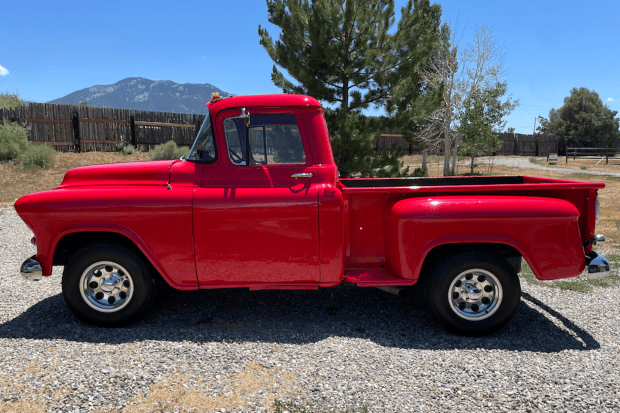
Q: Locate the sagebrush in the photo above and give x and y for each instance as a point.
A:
(8, 101)
(168, 150)
(13, 140)
(14, 146)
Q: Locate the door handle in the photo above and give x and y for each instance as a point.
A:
(304, 175)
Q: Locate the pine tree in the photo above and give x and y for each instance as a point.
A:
(341, 52)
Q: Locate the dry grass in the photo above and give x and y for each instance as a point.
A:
(174, 393)
(16, 182)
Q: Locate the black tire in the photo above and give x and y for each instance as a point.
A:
(468, 306)
(125, 289)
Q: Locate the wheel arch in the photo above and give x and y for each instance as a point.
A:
(439, 252)
(70, 242)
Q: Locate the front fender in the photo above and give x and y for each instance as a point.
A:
(157, 220)
(544, 230)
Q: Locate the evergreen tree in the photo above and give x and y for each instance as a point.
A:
(583, 121)
(340, 52)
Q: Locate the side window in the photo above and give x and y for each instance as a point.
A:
(274, 139)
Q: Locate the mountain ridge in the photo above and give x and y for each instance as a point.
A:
(145, 94)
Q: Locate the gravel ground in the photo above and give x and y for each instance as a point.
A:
(348, 347)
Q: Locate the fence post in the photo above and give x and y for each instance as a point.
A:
(606, 156)
(516, 145)
(76, 132)
(548, 152)
(197, 126)
(132, 127)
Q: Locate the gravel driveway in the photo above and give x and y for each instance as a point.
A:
(334, 348)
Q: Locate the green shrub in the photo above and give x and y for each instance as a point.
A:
(128, 149)
(184, 151)
(13, 140)
(8, 101)
(36, 156)
(14, 146)
(420, 172)
(168, 150)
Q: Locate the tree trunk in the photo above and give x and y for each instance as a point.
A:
(455, 156)
(424, 154)
(446, 154)
(472, 164)
(447, 120)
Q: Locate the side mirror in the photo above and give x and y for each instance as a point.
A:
(246, 116)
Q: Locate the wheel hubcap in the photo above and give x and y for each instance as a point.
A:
(475, 294)
(106, 286)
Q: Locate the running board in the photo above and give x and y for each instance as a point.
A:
(375, 277)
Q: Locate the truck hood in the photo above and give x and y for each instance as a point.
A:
(131, 173)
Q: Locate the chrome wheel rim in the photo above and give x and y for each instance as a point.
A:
(106, 286)
(475, 294)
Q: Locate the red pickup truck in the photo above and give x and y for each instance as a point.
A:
(258, 204)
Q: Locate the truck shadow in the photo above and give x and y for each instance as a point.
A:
(303, 317)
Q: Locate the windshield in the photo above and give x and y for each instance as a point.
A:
(203, 149)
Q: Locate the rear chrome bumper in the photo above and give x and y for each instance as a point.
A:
(31, 269)
(597, 265)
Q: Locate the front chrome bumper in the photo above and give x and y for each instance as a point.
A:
(597, 265)
(31, 269)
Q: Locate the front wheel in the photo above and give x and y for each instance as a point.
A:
(107, 285)
(473, 293)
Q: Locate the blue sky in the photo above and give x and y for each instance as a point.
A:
(50, 49)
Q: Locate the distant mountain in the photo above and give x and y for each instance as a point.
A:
(145, 94)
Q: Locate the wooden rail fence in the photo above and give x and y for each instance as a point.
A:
(82, 128)
(597, 152)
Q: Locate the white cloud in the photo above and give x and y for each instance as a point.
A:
(3, 71)
(610, 99)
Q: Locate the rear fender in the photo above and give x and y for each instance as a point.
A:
(545, 231)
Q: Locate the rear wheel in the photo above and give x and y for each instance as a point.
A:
(108, 285)
(473, 293)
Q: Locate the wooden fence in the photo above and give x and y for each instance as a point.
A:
(387, 140)
(591, 152)
(82, 128)
(527, 145)
(513, 144)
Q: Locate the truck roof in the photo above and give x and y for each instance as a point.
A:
(264, 100)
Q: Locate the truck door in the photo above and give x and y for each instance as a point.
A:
(256, 212)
